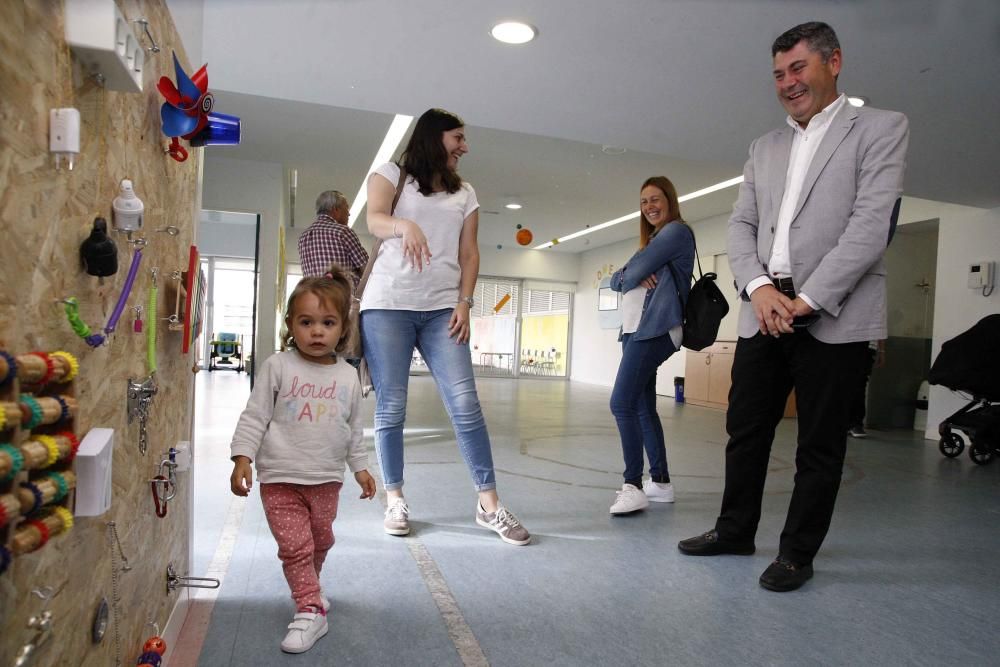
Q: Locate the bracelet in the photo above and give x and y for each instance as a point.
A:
(34, 408)
(65, 516)
(394, 234)
(11, 368)
(50, 367)
(74, 444)
(50, 444)
(70, 360)
(43, 532)
(63, 408)
(16, 461)
(62, 486)
(37, 493)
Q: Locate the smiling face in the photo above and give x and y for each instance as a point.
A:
(654, 206)
(804, 83)
(316, 328)
(454, 146)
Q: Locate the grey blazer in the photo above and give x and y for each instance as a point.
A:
(840, 227)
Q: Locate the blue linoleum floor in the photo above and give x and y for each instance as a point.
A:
(907, 574)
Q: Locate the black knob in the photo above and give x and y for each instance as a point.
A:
(98, 252)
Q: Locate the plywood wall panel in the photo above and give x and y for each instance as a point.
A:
(44, 216)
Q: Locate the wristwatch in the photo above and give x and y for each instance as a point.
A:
(467, 299)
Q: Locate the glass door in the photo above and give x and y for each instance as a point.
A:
(544, 340)
(493, 343)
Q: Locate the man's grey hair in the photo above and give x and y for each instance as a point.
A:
(328, 201)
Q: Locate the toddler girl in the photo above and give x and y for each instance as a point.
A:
(301, 425)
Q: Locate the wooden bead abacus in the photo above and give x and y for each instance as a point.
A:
(37, 449)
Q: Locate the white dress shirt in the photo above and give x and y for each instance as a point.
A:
(804, 145)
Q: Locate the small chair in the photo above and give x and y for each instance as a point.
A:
(226, 348)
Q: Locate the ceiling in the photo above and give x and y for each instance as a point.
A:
(683, 85)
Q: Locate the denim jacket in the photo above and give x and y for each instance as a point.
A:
(661, 311)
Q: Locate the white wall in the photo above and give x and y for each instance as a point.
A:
(189, 19)
(253, 187)
(963, 238)
(596, 351)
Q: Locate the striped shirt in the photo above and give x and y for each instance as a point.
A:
(327, 242)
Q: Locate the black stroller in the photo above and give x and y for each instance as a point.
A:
(969, 363)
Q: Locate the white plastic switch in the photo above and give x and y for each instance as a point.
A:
(104, 42)
(93, 472)
(64, 135)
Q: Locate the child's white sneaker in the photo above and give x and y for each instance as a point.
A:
(658, 493)
(305, 628)
(629, 499)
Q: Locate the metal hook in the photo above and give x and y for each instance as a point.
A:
(45, 593)
(145, 27)
(174, 581)
(170, 229)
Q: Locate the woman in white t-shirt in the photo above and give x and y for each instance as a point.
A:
(419, 296)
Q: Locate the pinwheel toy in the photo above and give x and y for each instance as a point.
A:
(187, 113)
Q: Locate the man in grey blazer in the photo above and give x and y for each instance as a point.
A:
(805, 243)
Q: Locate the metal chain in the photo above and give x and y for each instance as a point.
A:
(116, 553)
(143, 417)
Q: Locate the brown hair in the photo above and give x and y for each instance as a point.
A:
(663, 184)
(334, 288)
(425, 157)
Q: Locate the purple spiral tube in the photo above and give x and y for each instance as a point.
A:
(126, 290)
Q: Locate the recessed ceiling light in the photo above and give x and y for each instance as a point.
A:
(512, 206)
(612, 150)
(513, 32)
(857, 100)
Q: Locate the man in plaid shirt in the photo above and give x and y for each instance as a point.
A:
(329, 240)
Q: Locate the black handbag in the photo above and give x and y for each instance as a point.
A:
(705, 307)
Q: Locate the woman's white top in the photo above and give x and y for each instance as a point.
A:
(394, 284)
(632, 302)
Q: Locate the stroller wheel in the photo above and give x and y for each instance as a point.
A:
(981, 453)
(951, 445)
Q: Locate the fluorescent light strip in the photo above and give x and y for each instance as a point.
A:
(397, 130)
(631, 216)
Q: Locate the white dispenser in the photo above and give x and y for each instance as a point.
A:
(93, 472)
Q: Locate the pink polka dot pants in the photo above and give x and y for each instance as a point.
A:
(301, 519)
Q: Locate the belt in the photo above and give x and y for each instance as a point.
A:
(784, 285)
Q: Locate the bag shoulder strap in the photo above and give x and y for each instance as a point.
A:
(378, 242)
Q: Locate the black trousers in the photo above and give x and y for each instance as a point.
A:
(858, 407)
(825, 378)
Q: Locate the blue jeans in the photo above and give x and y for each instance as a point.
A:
(389, 337)
(633, 403)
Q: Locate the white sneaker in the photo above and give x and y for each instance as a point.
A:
(397, 518)
(303, 632)
(658, 493)
(629, 499)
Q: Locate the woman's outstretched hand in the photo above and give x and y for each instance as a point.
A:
(414, 243)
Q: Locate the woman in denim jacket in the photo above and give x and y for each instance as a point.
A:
(653, 287)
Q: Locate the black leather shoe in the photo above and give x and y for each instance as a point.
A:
(710, 544)
(783, 575)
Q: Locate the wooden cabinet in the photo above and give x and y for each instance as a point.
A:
(708, 376)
